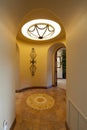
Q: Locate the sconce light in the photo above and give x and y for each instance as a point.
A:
(33, 61)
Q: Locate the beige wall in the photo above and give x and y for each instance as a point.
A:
(77, 71)
(17, 65)
(7, 74)
(40, 77)
(49, 67)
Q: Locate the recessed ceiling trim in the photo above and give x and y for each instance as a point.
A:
(41, 29)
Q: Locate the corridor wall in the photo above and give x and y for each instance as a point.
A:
(77, 71)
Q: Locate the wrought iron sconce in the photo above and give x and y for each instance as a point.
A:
(33, 61)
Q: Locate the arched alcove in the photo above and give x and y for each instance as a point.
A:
(43, 69)
(41, 13)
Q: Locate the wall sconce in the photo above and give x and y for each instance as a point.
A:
(33, 61)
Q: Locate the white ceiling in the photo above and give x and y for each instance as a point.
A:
(13, 11)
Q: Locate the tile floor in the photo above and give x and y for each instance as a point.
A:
(51, 119)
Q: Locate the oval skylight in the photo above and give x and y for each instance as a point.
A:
(41, 29)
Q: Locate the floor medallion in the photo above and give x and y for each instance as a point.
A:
(40, 101)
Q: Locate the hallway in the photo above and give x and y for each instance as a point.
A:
(28, 60)
(50, 119)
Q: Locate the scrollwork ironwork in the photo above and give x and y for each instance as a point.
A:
(33, 61)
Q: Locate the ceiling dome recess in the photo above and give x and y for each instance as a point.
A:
(41, 29)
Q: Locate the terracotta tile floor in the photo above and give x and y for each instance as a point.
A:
(51, 119)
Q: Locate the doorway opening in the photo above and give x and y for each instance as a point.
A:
(60, 65)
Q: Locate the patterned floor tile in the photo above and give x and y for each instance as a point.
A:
(31, 119)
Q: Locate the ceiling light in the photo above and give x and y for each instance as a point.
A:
(41, 29)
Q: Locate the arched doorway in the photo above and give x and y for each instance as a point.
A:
(60, 66)
(52, 62)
